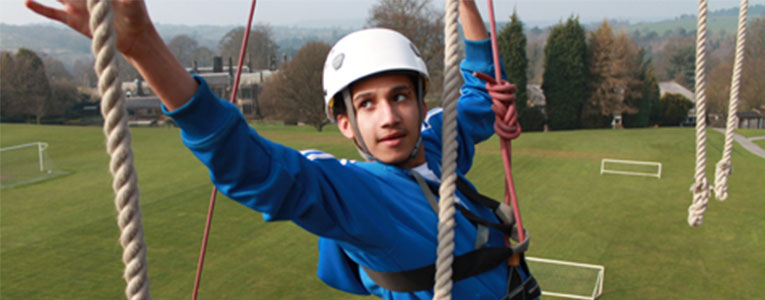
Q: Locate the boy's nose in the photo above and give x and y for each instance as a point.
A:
(390, 115)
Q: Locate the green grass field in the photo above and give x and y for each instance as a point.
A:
(59, 238)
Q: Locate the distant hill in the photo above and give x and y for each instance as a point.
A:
(68, 46)
(723, 19)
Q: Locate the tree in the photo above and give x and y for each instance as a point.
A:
(418, 21)
(648, 100)
(295, 92)
(183, 47)
(565, 74)
(261, 49)
(674, 109)
(10, 107)
(84, 74)
(30, 87)
(512, 47)
(614, 77)
(203, 56)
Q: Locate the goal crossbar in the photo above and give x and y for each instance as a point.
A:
(603, 169)
(41, 146)
(597, 290)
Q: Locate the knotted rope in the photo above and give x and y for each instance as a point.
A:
(443, 285)
(700, 188)
(125, 179)
(506, 126)
(724, 167)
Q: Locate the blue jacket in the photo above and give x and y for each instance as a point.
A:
(367, 213)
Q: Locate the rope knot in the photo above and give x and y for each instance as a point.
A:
(723, 170)
(697, 209)
(503, 104)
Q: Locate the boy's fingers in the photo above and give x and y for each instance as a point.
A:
(45, 11)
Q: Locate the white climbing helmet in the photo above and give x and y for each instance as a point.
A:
(364, 53)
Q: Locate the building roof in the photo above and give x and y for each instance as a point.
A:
(749, 115)
(676, 88)
(142, 102)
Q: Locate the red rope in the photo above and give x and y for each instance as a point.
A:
(234, 90)
(507, 127)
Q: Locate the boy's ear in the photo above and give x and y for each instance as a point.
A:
(344, 124)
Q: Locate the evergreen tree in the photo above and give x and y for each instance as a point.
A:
(512, 48)
(565, 75)
(649, 98)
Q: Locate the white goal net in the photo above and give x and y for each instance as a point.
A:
(565, 279)
(24, 164)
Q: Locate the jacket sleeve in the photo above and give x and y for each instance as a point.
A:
(474, 115)
(281, 182)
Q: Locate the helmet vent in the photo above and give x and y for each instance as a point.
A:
(337, 62)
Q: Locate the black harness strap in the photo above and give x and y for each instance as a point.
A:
(467, 265)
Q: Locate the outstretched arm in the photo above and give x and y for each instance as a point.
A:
(138, 41)
(472, 24)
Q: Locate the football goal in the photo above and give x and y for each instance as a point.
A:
(565, 279)
(27, 163)
(630, 167)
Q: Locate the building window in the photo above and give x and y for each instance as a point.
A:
(247, 109)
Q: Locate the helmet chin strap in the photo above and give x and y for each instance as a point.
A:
(359, 141)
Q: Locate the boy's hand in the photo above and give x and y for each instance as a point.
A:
(131, 20)
(503, 104)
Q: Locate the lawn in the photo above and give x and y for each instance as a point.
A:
(59, 238)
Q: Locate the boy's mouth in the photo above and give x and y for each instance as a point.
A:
(393, 139)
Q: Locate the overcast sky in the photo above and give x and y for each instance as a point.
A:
(350, 12)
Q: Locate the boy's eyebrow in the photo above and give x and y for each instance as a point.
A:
(397, 88)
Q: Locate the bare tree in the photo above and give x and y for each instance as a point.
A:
(203, 56)
(261, 49)
(183, 47)
(417, 20)
(30, 85)
(295, 92)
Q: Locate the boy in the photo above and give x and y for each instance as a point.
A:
(376, 219)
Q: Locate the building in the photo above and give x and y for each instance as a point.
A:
(676, 88)
(145, 108)
(751, 119)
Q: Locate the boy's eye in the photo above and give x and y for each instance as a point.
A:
(365, 104)
(400, 97)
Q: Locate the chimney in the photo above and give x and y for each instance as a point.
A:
(230, 66)
(217, 64)
(139, 87)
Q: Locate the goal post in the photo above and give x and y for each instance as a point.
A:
(630, 167)
(26, 163)
(565, 279)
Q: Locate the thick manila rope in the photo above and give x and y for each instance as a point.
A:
(443, 285)
(125, 180)
(700, 188)
(724, 167)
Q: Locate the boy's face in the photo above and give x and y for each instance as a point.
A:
(387, 116)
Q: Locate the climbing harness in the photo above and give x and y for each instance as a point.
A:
(124, 177)
(234, 90)
(724, 168)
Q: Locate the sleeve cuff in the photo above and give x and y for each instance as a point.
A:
(202, 115)
(478, 54)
